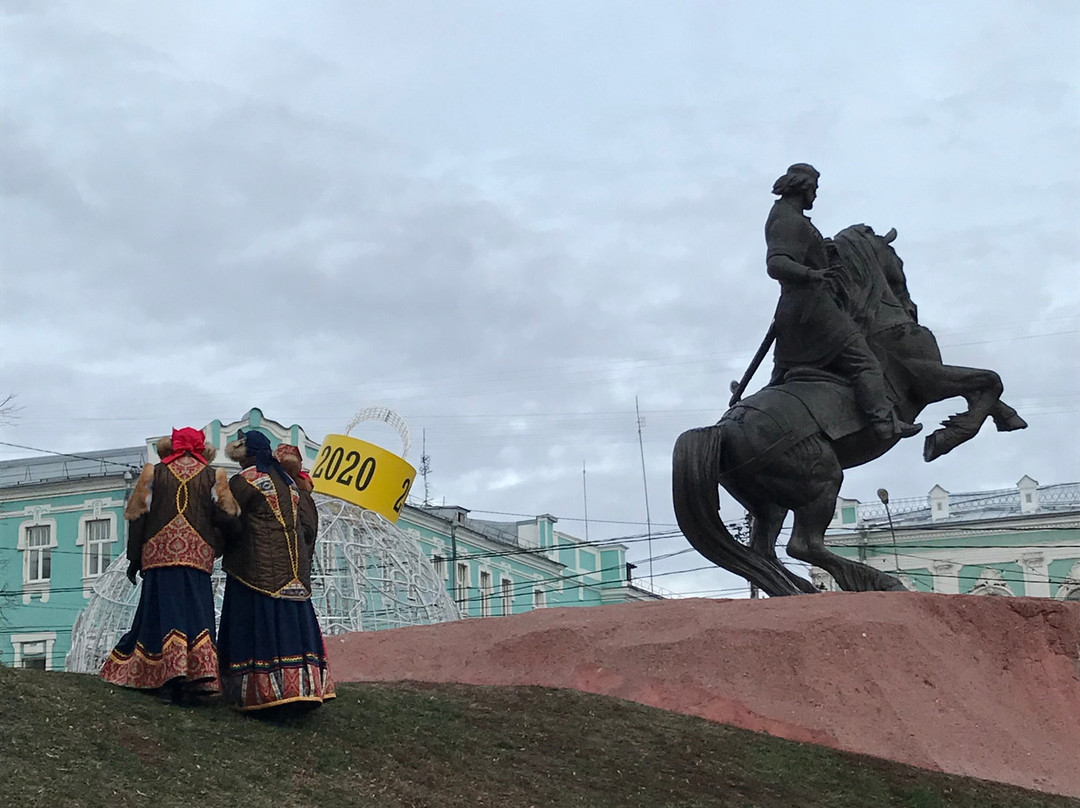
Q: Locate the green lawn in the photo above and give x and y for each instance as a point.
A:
(71, 740)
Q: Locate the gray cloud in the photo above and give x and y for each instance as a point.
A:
(507, 224)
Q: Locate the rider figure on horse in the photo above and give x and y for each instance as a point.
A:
(811, 329)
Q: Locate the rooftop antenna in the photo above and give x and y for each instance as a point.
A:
(645, 482)
(425, 467)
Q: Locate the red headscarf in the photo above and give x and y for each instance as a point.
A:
(187, 441)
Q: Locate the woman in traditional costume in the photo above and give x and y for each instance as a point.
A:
(176, 516)
(293, 464)
(271, 648)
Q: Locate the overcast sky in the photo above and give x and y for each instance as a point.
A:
(505, 221)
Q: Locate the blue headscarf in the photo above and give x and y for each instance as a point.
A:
(257, 446)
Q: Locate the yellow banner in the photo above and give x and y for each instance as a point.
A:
(363, 474)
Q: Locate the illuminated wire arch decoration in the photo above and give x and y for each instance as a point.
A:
(367, 574)
(387, 416)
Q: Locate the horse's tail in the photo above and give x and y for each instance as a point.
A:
(696, 465)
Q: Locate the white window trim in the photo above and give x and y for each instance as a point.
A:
(96, 515)
(992, 582)
(539, 597)
(486, 592)
(461, 583)
(1067, 590)
(29, 587)
(506, 588)
(47, 637)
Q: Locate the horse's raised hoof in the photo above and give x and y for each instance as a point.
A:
(1010, 423)
(933, 447)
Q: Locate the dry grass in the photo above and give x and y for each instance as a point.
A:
(70, 740)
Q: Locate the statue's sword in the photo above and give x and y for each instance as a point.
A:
(739, 387)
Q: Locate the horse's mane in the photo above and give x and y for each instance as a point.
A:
(863, 281)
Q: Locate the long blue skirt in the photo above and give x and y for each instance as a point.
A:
(172, 635)
(271, 650)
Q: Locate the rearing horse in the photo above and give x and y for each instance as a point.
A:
(785, 447)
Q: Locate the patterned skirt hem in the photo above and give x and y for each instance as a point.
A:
(294, 700)
(258, 685)
(195, 663)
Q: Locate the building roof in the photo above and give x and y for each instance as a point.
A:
(53, 468)
(1003, 503)
(502, 532)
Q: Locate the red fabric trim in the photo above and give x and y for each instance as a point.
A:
(195, 661)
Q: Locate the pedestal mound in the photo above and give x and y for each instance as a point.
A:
(983, 687)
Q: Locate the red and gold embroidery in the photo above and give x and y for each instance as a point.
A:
(178, 544)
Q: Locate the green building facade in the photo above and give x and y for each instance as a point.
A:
(1014, 542)
(61, 524)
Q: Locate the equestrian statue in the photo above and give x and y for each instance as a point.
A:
(853, 368)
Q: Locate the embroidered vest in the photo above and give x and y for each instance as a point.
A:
(178, 543)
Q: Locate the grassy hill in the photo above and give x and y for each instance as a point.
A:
(71, 740)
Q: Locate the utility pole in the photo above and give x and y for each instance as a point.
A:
(453, 564)
(645, 482)
(585, 494)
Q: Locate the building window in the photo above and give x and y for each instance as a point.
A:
(34, 650)
(32, 655)
(992, 582)
(486, 594)
(539, 599)
(440, 566)
(461, 588)
(506, 592)
(38, 554)
(98, 551)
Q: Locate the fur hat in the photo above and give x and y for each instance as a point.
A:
(290, 459)
(236, 450)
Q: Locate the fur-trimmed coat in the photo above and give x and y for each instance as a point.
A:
(271, 552)
(178, 514)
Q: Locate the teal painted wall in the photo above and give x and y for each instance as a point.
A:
(923, 579)
(567, 574)
(65, 592)
(880, 544)
(1012, 574)
(1058, 571)
(587, 571)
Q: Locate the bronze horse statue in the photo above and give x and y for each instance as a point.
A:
(785, 447)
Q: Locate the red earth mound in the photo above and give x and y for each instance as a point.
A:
(984, 687)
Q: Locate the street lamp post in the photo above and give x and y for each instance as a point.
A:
(883, 495)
